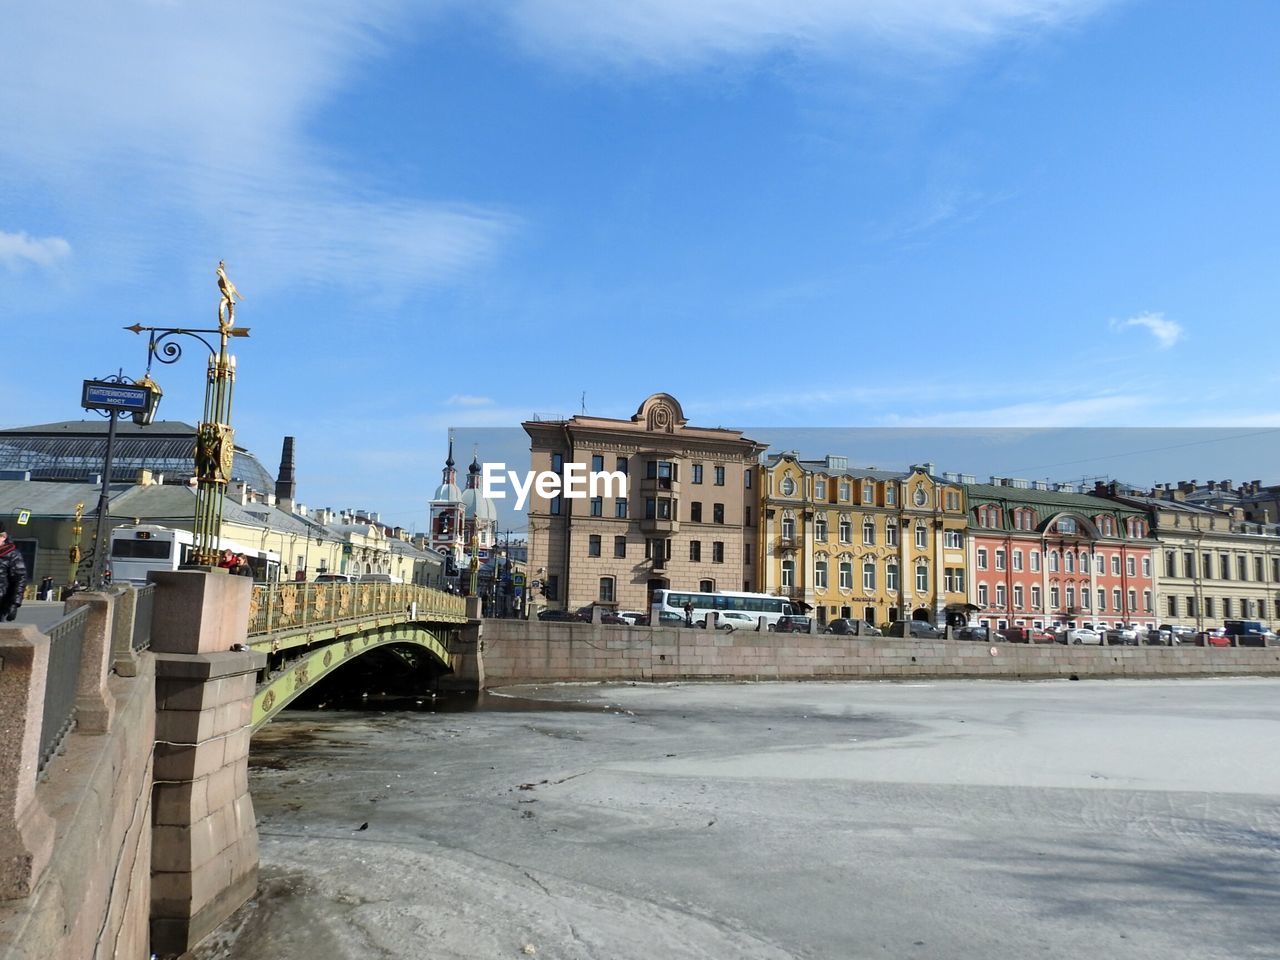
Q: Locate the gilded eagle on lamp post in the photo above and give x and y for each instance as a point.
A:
(230, 296)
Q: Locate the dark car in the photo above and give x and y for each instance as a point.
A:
(1122, 636)
(586, 614)
(668, 619)
(1026, 635)
(559, 616)
(915, 629)
(853, 628)
(793, 624)
(979, 634)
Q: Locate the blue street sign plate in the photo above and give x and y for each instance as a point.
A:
(101, 395)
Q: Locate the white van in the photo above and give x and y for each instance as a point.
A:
(379, 578)
(335, 578)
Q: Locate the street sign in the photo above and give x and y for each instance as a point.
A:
(102, 395)
(518, 579)
(24, 517)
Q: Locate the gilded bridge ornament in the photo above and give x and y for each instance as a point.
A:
(215, 453)
(230, 295)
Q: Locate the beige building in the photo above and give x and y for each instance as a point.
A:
(682, 518)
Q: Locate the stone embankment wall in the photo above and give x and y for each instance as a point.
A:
(513, 651)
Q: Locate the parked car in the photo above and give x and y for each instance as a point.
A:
(634, 617)
(1177, 633)
(1026, 635)
(1249, 633)
(559, 616)
(335, 578)
(915, 629)
(1080, 636)
(587, 615)
(1216, 637)
(1122, 636)
(732, 620)
(668, 619)
(853, 628)
(979, 634)
(793, 624)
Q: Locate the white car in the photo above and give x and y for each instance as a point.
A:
(1081, 635)
(632, 616)
(732, 621)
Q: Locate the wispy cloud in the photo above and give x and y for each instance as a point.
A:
(679, 33)
(17, 249)
(467, 400)
(149, 114)
(1167, 332)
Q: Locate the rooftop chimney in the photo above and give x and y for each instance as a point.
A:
(286, 485)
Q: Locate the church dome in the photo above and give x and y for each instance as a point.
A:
(447, 493)
(478, 506)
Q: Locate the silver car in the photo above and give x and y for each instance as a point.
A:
(1081, 635)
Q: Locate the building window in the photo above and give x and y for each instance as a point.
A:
(953, 539)
(1191, 606)
(1172, 606)
(788, 486)
(922, 536)
(1000, 596)
(788, 573)
(1035, 561)
(820, 528)
(597, 464)
(846, 530)
(620, 508)
(707, 586)
(819, 488)
(788, 528)
(657, 509)
(597, 506)
(1084, 562)
(953, 500)
(890, 494)
(1131, 566)
(619, 546)
(552, 586)
(920, 497)
(1102, 600)
(1054, 598)
(1242, 568)
(869, 576)
(922, 578)
(1228, 607)
(820, 574)
(1000, 559)
(606, 589)
(593, 546)
(1069, 561)
(1071, 598)
(1115, 566)
(954, 577)
(1036, 597)
(1170, 564)
(719, 476)
(869, 531)
(661, 470)
(695, 511)
(982, 558)
(717, 551)
(622, 466)
(746, 478)
(891, 532)
(1117, 600)
(846, 575)
(1066, 525)
(557, 463)
(555, 505)
(1146, 602)
(697, 473)
(1208, 607)
(717, 513)
(846, 491)
(746, 516)
(891, 576)
(868, 492)
(1258, 569)
(1017, 561)
(1085, 598)
(695, 551)
(982, 594)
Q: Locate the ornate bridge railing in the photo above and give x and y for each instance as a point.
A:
(287, 607)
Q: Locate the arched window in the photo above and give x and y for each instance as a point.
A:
(820, 573)
(922, 578)
(869, 531)
(706, 586)
(606, 590)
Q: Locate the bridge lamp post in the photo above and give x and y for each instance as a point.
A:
(110, 396)
(215, 443)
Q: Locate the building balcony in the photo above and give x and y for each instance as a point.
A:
(786, 543)
(659, 525)
(659, 485)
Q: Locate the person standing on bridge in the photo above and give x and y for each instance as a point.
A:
(13, 577)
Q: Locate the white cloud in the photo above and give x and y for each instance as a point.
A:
(1167, 332)
(467, 400)
(681, 33)
(154, 118)
(17, 248)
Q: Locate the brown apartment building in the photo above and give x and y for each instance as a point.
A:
(683, 519)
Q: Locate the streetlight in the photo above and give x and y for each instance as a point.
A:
(215, 444)
(110, 396)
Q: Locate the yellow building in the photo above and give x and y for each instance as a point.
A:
(862, 543)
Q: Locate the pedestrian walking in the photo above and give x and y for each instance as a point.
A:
(46, 589)
(688, 613)
(13, 577)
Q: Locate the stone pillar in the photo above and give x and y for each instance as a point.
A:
(26, 830)
(94, 703)
(204, 857)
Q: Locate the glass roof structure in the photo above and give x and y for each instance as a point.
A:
(74, 450)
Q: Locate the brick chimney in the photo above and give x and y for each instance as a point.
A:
(286, 486)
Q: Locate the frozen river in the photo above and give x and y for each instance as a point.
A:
(947, 820)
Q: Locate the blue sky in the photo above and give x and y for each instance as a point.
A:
(944, 213)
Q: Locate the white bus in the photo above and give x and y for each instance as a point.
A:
(139, 548)
(755, 605)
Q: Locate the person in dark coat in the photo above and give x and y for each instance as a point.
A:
(13, 577)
